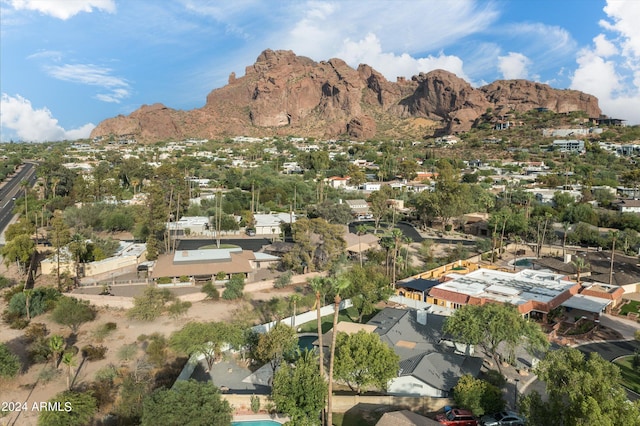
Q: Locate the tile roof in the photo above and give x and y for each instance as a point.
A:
(236, 263)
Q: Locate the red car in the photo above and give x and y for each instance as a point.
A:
(457, 417)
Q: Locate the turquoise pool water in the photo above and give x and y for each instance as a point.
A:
(524, 262)
(256, 423)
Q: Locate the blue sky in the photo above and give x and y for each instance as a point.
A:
(66, 65)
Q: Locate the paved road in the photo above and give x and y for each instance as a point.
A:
(12, 189)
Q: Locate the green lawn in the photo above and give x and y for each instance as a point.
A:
(348, 315)
(630, 377)
(357, 418)
(632, 306)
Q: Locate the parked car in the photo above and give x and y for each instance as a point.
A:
(503, 418)
(457, 417)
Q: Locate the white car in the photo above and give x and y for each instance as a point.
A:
(503, 418)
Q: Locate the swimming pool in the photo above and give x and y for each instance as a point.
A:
(256, 423)
(306, 342)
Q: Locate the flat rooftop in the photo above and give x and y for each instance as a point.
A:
(515, 288)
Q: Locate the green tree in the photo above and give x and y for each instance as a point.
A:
(582, 390)
(338, 285)
(234, 287)
(76, 409)
(18, 250)
(363, 361)
(151, 304)
(189, 403)
(493, 324)
(369, 285)
(178, 308)
(276, 345)
(477, 395)
(318, 245)
(299, 390)
(317, 285)
(72, 313)
(334, 213)
(205, 338)
(211, 291)
(9, 362)
(379, 203)
(78, 248)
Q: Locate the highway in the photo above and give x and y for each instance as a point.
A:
(12, 190)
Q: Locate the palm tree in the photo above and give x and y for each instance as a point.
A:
(360, 230)
(56, 344)
(338, 285)
(78, 246)
(69, 360)
(294, 299)
(397, 235)
(580, 265)
(565, 229)
(317, 285)
(614, 238)
(27, 297)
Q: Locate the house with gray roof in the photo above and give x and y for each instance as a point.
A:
(430, 365)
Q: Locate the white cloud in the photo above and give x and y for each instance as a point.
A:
(35, 125)
(514, 66)
(64, 9)
(92, 75)
(610, 68)
(390, 39)
(369, 51)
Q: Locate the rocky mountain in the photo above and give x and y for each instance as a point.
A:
(286, 94)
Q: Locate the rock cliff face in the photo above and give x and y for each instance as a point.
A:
(286, 94)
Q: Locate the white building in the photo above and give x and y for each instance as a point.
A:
(271, 224)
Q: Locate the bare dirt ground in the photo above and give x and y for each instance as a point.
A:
(29, 387)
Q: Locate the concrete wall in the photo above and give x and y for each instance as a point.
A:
(343, 403)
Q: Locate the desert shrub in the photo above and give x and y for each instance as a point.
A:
(35, 331)
(178, 308)
(103, 391)
(234, 287)
(151, 304)
(283, 280)
(42, 299)
(142, 338)
(108, 373)
(164, 280)
(211, 291)
(104, 330)
(5, 282)
(184, 279)
(47, 374)
(14, 320)
(157, 350)
(39, 351)
(127, 352)
(9, 362)
(12, 292)
(94, 353)
(255, 403)
(221, 275)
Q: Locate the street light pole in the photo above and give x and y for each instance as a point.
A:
(515, 396)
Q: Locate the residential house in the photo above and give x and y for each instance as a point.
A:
(629, 206)
(271, 224)
(569, 145)
(405, 418)
(359, 208)
(534, 293)
(203, 265)
(189, 225)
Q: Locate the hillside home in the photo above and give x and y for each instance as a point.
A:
(203, 265)
(629, 206)
(271, 224)
(569, 145)
(359, 208)
(189, 225)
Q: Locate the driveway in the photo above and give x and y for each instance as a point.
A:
(624, 326)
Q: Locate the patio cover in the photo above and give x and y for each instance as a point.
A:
(586, 303)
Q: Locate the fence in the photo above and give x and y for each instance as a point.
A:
(343, 403)
(304, 317)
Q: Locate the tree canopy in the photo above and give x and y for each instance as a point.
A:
(362, 360)
(582, 390)
(76, 409)
(188, 403)
(478, 395)
(299, 390)
(493, 324)
(275, 345)
(72, 312)
(205, 338)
